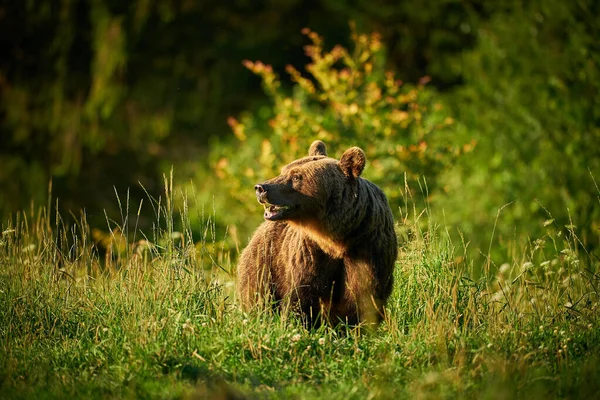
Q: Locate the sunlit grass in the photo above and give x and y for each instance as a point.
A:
(153, 315)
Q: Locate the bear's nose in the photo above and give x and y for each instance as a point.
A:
(261, 193)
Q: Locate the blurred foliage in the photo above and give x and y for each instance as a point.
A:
(105, 92)
(530, 100)
(102, 93)
(65, 96)
(348, 98)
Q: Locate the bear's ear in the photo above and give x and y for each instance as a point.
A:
(317, 148)
(353, 162)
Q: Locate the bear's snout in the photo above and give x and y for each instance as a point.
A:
(261, 193)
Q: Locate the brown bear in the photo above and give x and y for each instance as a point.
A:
(327, 248)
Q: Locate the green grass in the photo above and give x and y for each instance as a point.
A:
(157, 318)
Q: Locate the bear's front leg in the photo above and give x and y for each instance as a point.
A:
(255, 280)
(359, 303)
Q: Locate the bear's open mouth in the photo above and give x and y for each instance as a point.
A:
(275, 212)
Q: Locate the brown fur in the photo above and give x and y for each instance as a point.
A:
(330, 250)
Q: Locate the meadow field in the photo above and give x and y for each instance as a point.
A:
(480, 121)
(157, 317)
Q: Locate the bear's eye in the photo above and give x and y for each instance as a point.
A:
(296, 178)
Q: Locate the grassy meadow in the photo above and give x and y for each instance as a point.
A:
(155, 316)
(480, 120)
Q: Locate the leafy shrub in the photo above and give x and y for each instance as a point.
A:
(349, 98)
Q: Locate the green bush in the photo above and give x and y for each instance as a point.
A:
(530, 101)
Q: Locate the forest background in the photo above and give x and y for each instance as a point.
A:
(487, 112)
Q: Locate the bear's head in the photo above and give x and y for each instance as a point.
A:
(305, 187)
